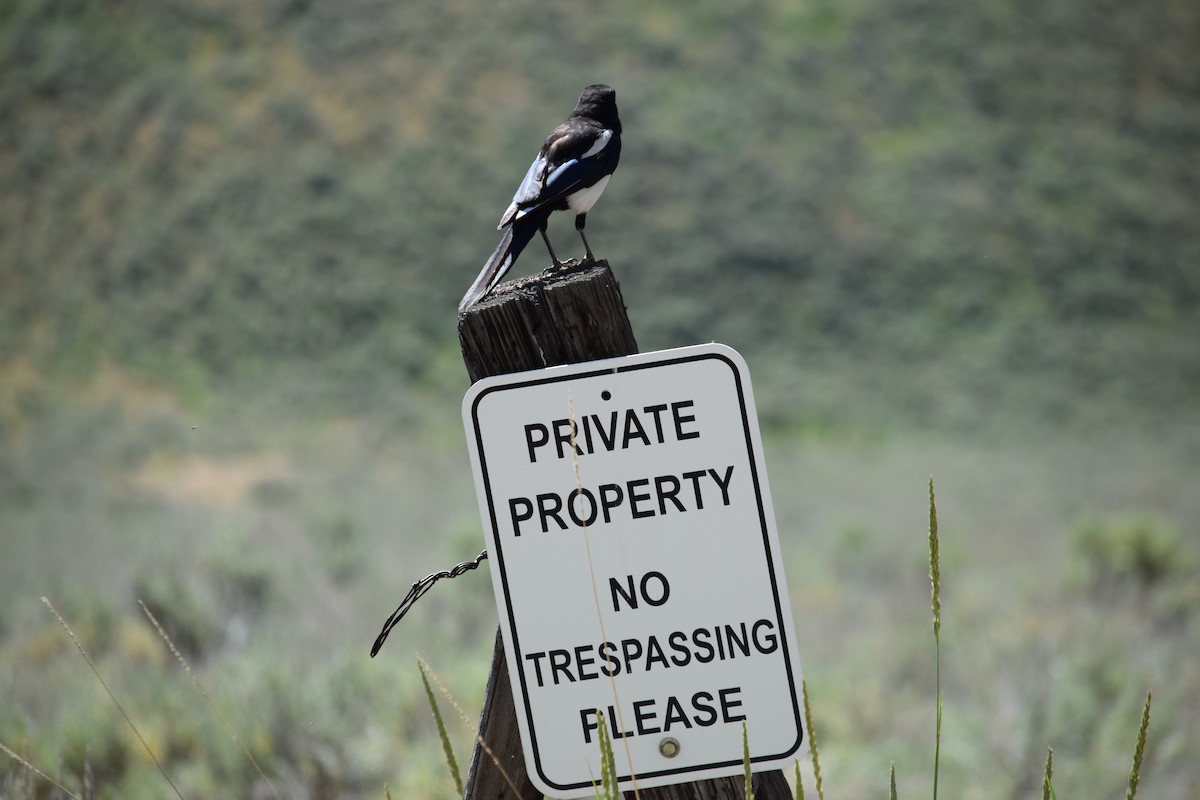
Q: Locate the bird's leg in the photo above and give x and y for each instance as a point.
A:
(580, 220)
(546, 239)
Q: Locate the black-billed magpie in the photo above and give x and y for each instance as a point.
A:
(569, 173)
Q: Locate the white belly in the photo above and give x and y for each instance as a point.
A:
(582, 201)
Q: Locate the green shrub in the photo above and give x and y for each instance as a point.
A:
(1129, 551)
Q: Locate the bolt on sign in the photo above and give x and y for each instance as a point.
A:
(637, 568)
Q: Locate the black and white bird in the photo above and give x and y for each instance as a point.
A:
(569, 174)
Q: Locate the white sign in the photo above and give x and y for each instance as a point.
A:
(636, 567)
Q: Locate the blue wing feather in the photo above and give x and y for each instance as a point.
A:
(531, 187)
(547, 185)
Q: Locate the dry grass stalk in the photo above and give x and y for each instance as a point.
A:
(812, 740)
(749, 777)
(113, 697)
(211, 705)
(587, 543)
(24, 763)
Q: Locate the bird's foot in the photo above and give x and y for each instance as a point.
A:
(570, 263)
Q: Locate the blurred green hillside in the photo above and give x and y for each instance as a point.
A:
(949, 238)
(960, 207)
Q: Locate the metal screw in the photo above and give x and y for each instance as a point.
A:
(669, 747)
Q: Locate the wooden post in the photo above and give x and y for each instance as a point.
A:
(559, 317)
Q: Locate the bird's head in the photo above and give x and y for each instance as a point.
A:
(599, 102)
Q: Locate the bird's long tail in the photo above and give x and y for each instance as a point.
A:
(516, 236)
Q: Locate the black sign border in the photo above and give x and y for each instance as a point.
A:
(513, 641)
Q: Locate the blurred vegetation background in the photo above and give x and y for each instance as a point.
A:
(959, 239)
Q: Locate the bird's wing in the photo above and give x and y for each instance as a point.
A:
(573, 158)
